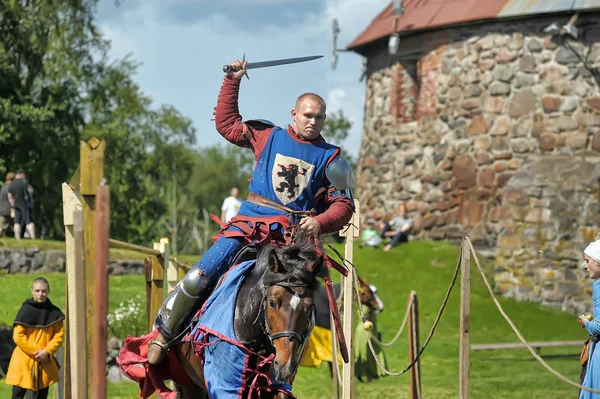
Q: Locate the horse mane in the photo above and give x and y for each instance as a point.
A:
(294, 258)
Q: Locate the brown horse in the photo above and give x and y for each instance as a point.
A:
(274, 314)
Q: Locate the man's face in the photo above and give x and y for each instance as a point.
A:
(309, 118)
(40, 291)
(402, 211)
(235, 192)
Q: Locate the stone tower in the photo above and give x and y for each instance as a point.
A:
(486, 121)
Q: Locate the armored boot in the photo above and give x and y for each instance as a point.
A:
(189, 294)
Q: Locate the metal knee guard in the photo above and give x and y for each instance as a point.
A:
(190, 293)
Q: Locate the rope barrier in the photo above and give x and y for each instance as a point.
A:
(439, 315)
(431, 332)
(387, 344)
(516, 330)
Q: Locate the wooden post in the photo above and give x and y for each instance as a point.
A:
(154, 288)
(171, 274)
(101, 292)
(75, 370)
(334, 359)
(91, 165)
(348, 318)
(414, 346)
(465, 318)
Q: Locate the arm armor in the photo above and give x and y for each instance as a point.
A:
(339, 175)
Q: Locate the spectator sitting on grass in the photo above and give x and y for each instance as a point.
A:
(369, 236)
(397, 229)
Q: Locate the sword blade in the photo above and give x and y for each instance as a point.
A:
(285, 61)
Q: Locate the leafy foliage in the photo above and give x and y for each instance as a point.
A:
(58, 87)
(336, 130)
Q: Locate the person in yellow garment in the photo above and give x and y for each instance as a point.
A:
(38, 332)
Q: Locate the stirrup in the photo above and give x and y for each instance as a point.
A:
(163, 351)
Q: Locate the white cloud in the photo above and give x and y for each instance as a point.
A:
(181, 63)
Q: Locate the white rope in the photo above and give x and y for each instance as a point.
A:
(516, 330)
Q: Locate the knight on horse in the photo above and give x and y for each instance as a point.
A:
(317, 198)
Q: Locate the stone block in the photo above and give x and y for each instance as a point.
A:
(487, 64)
(551, 103)
(527, 63)
(487, 177)
(593, 103)
(577, 141)
(429, 222)
(564, 123)
(508, 242)
(503, 178)
(464, 171)
(504, 73)
(523, 127)
(526, 79)
(522, 103)
(505, 56)
(550, 42)
(499, 167)
(482, 143)
(534, 45)
(502, 155)
(520, 145)
(552, 73)
(565, 55)
(494, 104)
(538, 215)
(501, 127)
(569, 104)
(485, 158)
(478, 125)
(499, 89)
(514, 164)
(547, 142)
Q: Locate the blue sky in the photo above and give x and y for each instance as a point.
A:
(183, 44)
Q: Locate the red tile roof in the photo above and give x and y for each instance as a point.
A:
(427, 14)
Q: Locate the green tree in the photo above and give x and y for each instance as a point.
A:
(336, 130)
(58, 87)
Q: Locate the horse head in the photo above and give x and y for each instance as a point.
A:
(290, 281)
(368, 295)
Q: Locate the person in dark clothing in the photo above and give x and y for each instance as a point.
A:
(18, 196)
(5, 208)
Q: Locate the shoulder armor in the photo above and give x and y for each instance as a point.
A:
(259, 123)
(339, 175)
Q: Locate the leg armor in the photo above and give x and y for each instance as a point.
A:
(189, 294)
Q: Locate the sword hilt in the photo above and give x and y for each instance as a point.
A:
(227, 69)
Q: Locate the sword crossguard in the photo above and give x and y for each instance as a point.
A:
(227, 68)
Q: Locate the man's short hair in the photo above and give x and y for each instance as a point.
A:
(314, 96)
(21, 172)
(41, 280)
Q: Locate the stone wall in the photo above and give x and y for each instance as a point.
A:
(458, 112)
(546, 226)
(32, 260)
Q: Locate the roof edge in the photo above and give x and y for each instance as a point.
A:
(405, 33)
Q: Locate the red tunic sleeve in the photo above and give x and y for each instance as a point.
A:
(228, 120)
(338, 213)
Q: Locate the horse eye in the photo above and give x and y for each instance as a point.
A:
(272, 303)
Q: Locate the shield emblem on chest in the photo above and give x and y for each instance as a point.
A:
(290, 177)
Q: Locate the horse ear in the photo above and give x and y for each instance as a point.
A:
(315, 267)
(274, 263)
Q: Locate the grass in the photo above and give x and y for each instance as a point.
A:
(427, 268)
